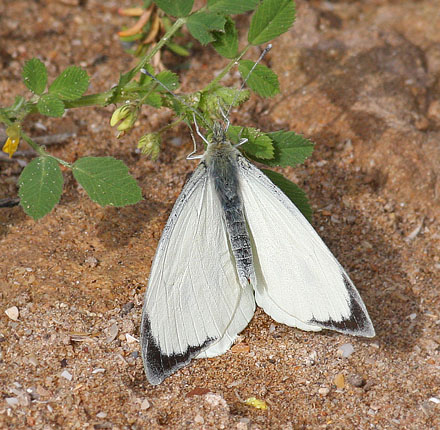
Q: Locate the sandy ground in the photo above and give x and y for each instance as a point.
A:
(361, 79)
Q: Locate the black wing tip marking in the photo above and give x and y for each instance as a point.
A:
(359, 322)
(159, 366)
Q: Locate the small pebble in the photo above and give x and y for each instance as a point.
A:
(42, 391)
(127, 308)
(198, 391)
(323, 391)
(130, 338)
(12, 401)
(98, 370)
(32, 360)
(12, 313)
(101, 414)
(356, 380)
(199, 419)
(112, 332)
(434, 400)
(427, 408)
(91, 261)
(67, 375)
(339, 381)
(145, 405)
(240, 347)
(244, 424)
(345, 350)
(215, 400)
(312, 358)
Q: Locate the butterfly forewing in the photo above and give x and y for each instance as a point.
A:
(194, 302)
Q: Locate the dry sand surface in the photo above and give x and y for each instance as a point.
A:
(362, 80)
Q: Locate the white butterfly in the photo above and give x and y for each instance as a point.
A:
(234, 240)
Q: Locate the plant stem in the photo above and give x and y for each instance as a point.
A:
(40, 150)
(231, 64)
(165, 38)
(173, 124)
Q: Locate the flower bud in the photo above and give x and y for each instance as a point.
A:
(127, 114)
(149, 144)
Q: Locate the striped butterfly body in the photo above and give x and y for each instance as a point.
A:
(234, 240)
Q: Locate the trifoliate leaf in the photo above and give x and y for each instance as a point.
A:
(290, 148)
(71, 84)
(107, 181)
(41, 185)
(226, 42)
(291, 190)
(175, 7)
(201, 24)
(272, 18)
(262, 80)
(50, 105)
(35, 75)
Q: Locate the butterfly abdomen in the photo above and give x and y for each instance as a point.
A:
(222, 167)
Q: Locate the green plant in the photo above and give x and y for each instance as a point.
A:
(105, 179)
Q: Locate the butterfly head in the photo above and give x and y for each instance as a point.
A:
(218, 138)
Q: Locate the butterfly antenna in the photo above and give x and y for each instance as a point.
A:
(263, 54)
(181, 100)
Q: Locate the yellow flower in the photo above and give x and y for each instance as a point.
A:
(11, 145)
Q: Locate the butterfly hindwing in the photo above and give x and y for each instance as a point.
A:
(299, 281)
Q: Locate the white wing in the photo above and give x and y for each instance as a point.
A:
(299, 281)
(194, 304)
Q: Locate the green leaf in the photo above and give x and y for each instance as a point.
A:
(41, 185)
(291, 190)
(154, 99)
(262, 80)
(35, 75)
(201, 24)
(50, 105)
(290, 148)
(71, 84)
(258, 146)
(168, 79)
(272, 18)
(226, 42)
(176, 7)
(107, 181)
(124, 79)
(178, 49)
(230, 7)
